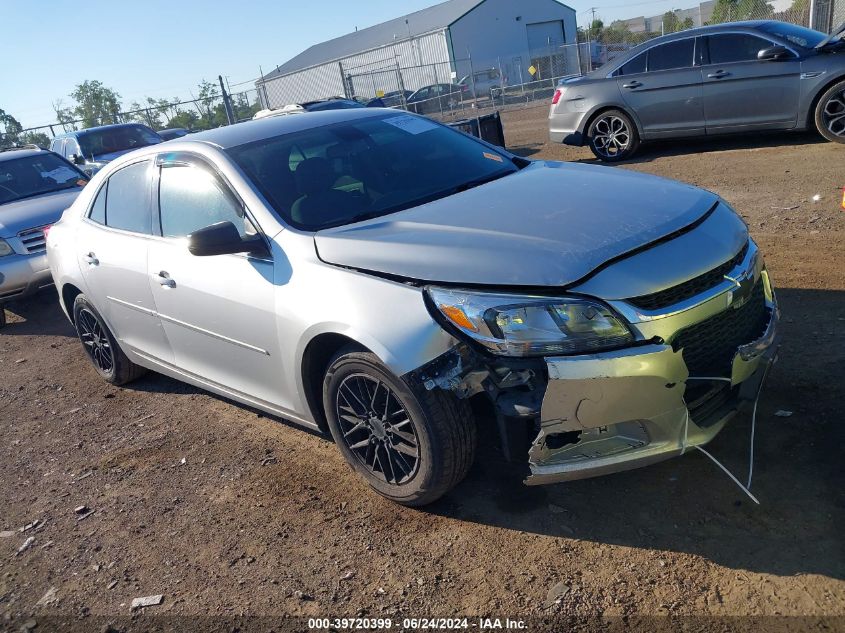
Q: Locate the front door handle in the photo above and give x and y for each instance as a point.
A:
(91, 259)
(164, 279)
(719, 74)
(632, 85)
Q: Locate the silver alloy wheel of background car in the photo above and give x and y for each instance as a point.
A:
(613, 136)
(95, 341)
(377, 428)
(833, 114)
(830, 113)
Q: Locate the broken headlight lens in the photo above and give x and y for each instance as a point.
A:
(514, 325)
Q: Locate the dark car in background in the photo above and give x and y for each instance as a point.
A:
(174, 132)
(739, 77)
(92, 148)
(333, 103)
(437, 97)
(395, 99)
(36, 186)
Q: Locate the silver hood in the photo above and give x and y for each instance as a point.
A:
(37, 211)
(550, 224)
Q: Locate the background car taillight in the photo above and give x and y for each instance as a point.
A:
(558, 95)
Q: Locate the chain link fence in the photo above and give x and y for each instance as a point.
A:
(458, 89)
(193, 115)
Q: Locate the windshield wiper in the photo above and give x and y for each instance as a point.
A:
(481, 181)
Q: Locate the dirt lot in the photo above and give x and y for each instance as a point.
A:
(229, 512)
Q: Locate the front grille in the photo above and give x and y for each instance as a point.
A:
(709, 346)
(33, 240)
(691, 288)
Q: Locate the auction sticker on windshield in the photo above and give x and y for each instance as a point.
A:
(411, 124)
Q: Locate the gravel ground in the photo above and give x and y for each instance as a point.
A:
(225, 511)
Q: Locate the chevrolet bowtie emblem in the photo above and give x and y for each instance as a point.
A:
(742, 293)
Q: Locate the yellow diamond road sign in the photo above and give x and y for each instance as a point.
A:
(532, 70)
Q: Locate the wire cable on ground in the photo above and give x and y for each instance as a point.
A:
(746, 488)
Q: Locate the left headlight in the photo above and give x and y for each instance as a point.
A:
(517, 325)
(5, 248)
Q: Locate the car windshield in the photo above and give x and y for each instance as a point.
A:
(118, 139)
(364, 168)
(799, 35)
(36, 175)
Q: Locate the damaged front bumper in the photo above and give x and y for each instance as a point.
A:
(620, 410)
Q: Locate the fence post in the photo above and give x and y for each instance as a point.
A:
(501, 82)
(401, 85)
(551, 68)
(474, 94)
(578, 57)
(227, 105)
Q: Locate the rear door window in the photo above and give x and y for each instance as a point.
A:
(672, 56)
(98, 209)
(128, 199)
(735, 47)
(634, 66)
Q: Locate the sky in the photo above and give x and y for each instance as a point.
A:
(164, 48)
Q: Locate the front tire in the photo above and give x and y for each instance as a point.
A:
(613, 136)
(830, 114)
(100, 345)
(410, 448)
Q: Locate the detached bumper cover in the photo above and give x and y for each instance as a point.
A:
(620, 410)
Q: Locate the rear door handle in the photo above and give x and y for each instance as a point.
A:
(632, 85)
(92, 259)
(164, 279)
(719, 74)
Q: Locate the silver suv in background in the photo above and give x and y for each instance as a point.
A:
(92, 148)
(739, 77)
(369, 272)
(36, 186)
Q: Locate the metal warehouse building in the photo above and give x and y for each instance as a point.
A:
(439, 44)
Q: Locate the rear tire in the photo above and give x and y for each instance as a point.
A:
(613, 137)
(100, 345)
(410, 448)
(830, 113)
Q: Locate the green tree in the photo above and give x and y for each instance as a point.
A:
(671, 23)
(724, 11)
(754, 10)
(186, 119)
(10, 129)
(96, 104)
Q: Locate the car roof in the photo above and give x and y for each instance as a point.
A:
(113, 126)
(20, 152)
(268, 127)
(725, 27)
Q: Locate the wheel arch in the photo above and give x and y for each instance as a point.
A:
(315, 361)
(593, 115)
(68, 295)
(810, 118)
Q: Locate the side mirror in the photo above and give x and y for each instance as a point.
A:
(222, 238)
(774, 53)
(77, 159)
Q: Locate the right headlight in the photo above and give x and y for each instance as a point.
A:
(521, 325)
(5, 249)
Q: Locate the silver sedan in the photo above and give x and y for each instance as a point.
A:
(731, 78)
(370, 273)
